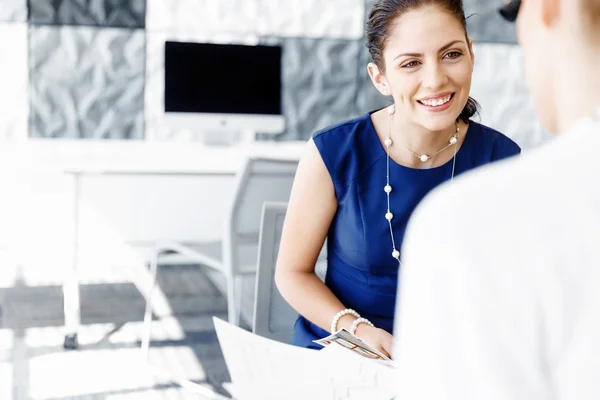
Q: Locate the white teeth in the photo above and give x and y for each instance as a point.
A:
(436, 103)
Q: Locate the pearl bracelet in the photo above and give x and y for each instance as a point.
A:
(336, 318)
(359, 321)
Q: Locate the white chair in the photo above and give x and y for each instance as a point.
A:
(260, 179)
(273, 317)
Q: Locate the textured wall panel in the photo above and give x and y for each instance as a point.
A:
(368, 5)
(342, 19)
(202, 16)
(499, 86)
(156, 128)
(13, 10)
(319, 84)
(128, 13)
(86, 82)
(485, 24)
(13, 81)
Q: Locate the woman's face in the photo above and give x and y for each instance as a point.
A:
(536, 45)
(428, 67)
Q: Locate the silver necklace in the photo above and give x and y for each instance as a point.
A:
(388, 188)
(425, 157)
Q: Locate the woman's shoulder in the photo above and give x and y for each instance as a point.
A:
(342, 129)
(350, 138)
(348, 148)
(497, 142)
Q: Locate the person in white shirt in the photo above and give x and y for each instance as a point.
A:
(499, 294)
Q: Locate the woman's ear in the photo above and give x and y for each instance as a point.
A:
(378, 79)
(550, 12)
(471, 50)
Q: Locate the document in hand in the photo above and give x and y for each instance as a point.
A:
(352, 342)
(263, 369)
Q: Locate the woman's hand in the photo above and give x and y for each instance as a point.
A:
(375, 337)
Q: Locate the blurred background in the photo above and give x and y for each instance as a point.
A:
(97, 143)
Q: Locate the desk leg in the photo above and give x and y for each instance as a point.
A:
(71, 284)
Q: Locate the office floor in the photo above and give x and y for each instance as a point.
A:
(33, 364)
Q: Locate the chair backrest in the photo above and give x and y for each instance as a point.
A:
(273, 317)
(261, 179)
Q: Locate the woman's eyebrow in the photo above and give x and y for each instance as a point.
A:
(445, 47)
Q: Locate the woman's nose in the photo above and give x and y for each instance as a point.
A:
(435, 77)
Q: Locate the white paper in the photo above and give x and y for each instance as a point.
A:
(263, 369)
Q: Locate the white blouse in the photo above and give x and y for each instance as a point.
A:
(499, 294)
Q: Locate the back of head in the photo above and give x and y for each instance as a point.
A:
(589, 12)
(561, 46)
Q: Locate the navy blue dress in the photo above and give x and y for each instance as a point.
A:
(361, 271)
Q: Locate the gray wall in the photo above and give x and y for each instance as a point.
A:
(89, 69)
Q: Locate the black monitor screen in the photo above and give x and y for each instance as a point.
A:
(224, 79)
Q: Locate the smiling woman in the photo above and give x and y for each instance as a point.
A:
(401, 38)
(359, 181)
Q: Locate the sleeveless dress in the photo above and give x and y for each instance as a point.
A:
(361, 271)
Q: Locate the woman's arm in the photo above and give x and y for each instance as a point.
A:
(310, 210)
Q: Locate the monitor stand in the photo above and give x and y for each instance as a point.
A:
(223, 137)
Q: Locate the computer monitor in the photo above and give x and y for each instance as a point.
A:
(223, 88)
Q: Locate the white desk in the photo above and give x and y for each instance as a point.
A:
(156, 160)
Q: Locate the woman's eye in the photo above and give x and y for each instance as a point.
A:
(453, 54)
(410, 64)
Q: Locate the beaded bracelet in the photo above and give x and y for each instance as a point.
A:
(359, 321)
(336, 318)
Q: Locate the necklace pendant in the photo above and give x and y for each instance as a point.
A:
(424, 157)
